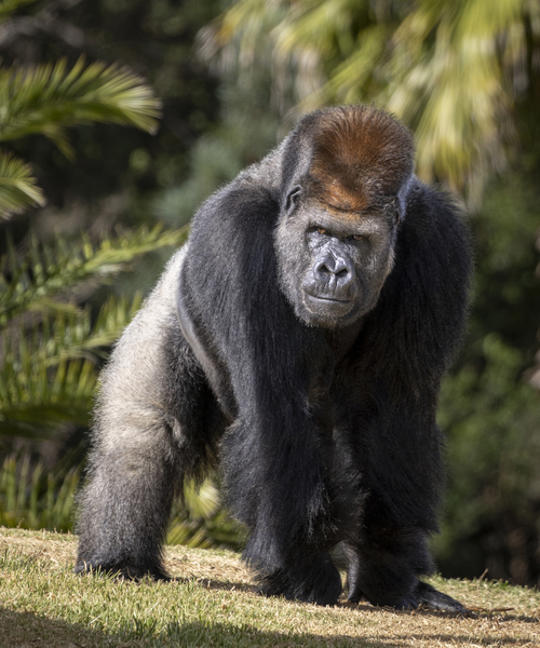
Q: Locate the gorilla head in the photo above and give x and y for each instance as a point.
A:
(340, 212)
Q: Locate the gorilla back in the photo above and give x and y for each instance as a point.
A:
(297, 340)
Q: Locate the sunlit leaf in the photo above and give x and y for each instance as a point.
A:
(449, 69)
(46, 99)
(18, 188)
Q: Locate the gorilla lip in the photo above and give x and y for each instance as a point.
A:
(330, 299)
(322, 303)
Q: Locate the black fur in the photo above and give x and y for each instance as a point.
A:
(323, 421)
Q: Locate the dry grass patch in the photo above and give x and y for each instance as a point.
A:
(212, 602)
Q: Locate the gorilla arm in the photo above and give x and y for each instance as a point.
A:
(273, 469)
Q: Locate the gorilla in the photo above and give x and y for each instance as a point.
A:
(297, 341)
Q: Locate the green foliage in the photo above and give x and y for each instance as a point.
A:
(448, 69)
(38, 402)
(8, 7)
(48, 374)
(47, 99)
(200, 520)
(488, 408)
(251, 122)
(32, 499)
(494, 487)
(18, 188)
(48, 270)
(51, 347)
(136, 165)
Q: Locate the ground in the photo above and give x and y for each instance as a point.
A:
(212, 601)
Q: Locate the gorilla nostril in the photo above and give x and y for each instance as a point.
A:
(323, 269)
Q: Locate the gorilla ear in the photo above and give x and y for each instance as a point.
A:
(291, 200)
(402, 197)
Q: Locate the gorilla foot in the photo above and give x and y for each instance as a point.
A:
(122, 570)
(318, 582)
(423, 595)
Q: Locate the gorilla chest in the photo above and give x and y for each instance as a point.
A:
(331, 393)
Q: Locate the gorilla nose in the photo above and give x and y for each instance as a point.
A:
(333, 267)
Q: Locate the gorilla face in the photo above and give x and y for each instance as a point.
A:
(332, 263)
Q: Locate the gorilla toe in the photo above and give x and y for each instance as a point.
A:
(428, 596)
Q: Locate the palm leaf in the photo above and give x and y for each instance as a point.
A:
(48, 372)
(70, 336)
(29, 284)
(37, 402)
(18, 189)
(46, 99)
(66, 334)
(450, 70)
(36, 499)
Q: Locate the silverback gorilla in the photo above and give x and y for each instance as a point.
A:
(300, 337)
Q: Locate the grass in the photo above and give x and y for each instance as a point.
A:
(212, 602)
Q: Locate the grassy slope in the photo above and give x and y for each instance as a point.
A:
(212, 602)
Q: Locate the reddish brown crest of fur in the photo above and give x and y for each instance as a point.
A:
(361, 157)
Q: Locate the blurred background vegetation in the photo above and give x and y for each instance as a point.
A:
(99, 177)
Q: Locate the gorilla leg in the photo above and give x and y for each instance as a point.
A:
(149, 432)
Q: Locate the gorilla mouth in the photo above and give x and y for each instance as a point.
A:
(332, 300)
(336, 297)
(322, 304)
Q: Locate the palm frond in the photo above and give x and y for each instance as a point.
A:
(66, 334)
(48, 372)
(36, 402)
(450, 70)
(49, 270)
(454, 94)
(71, 336)
(48, 98)
(33, 499)
(18, 188)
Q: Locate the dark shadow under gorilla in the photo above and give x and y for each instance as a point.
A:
(300, 336)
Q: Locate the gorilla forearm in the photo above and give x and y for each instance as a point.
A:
(283, 460)
(285, 502)
(141, 451)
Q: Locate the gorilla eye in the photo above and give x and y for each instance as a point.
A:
(322, 231)
(357, 237)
